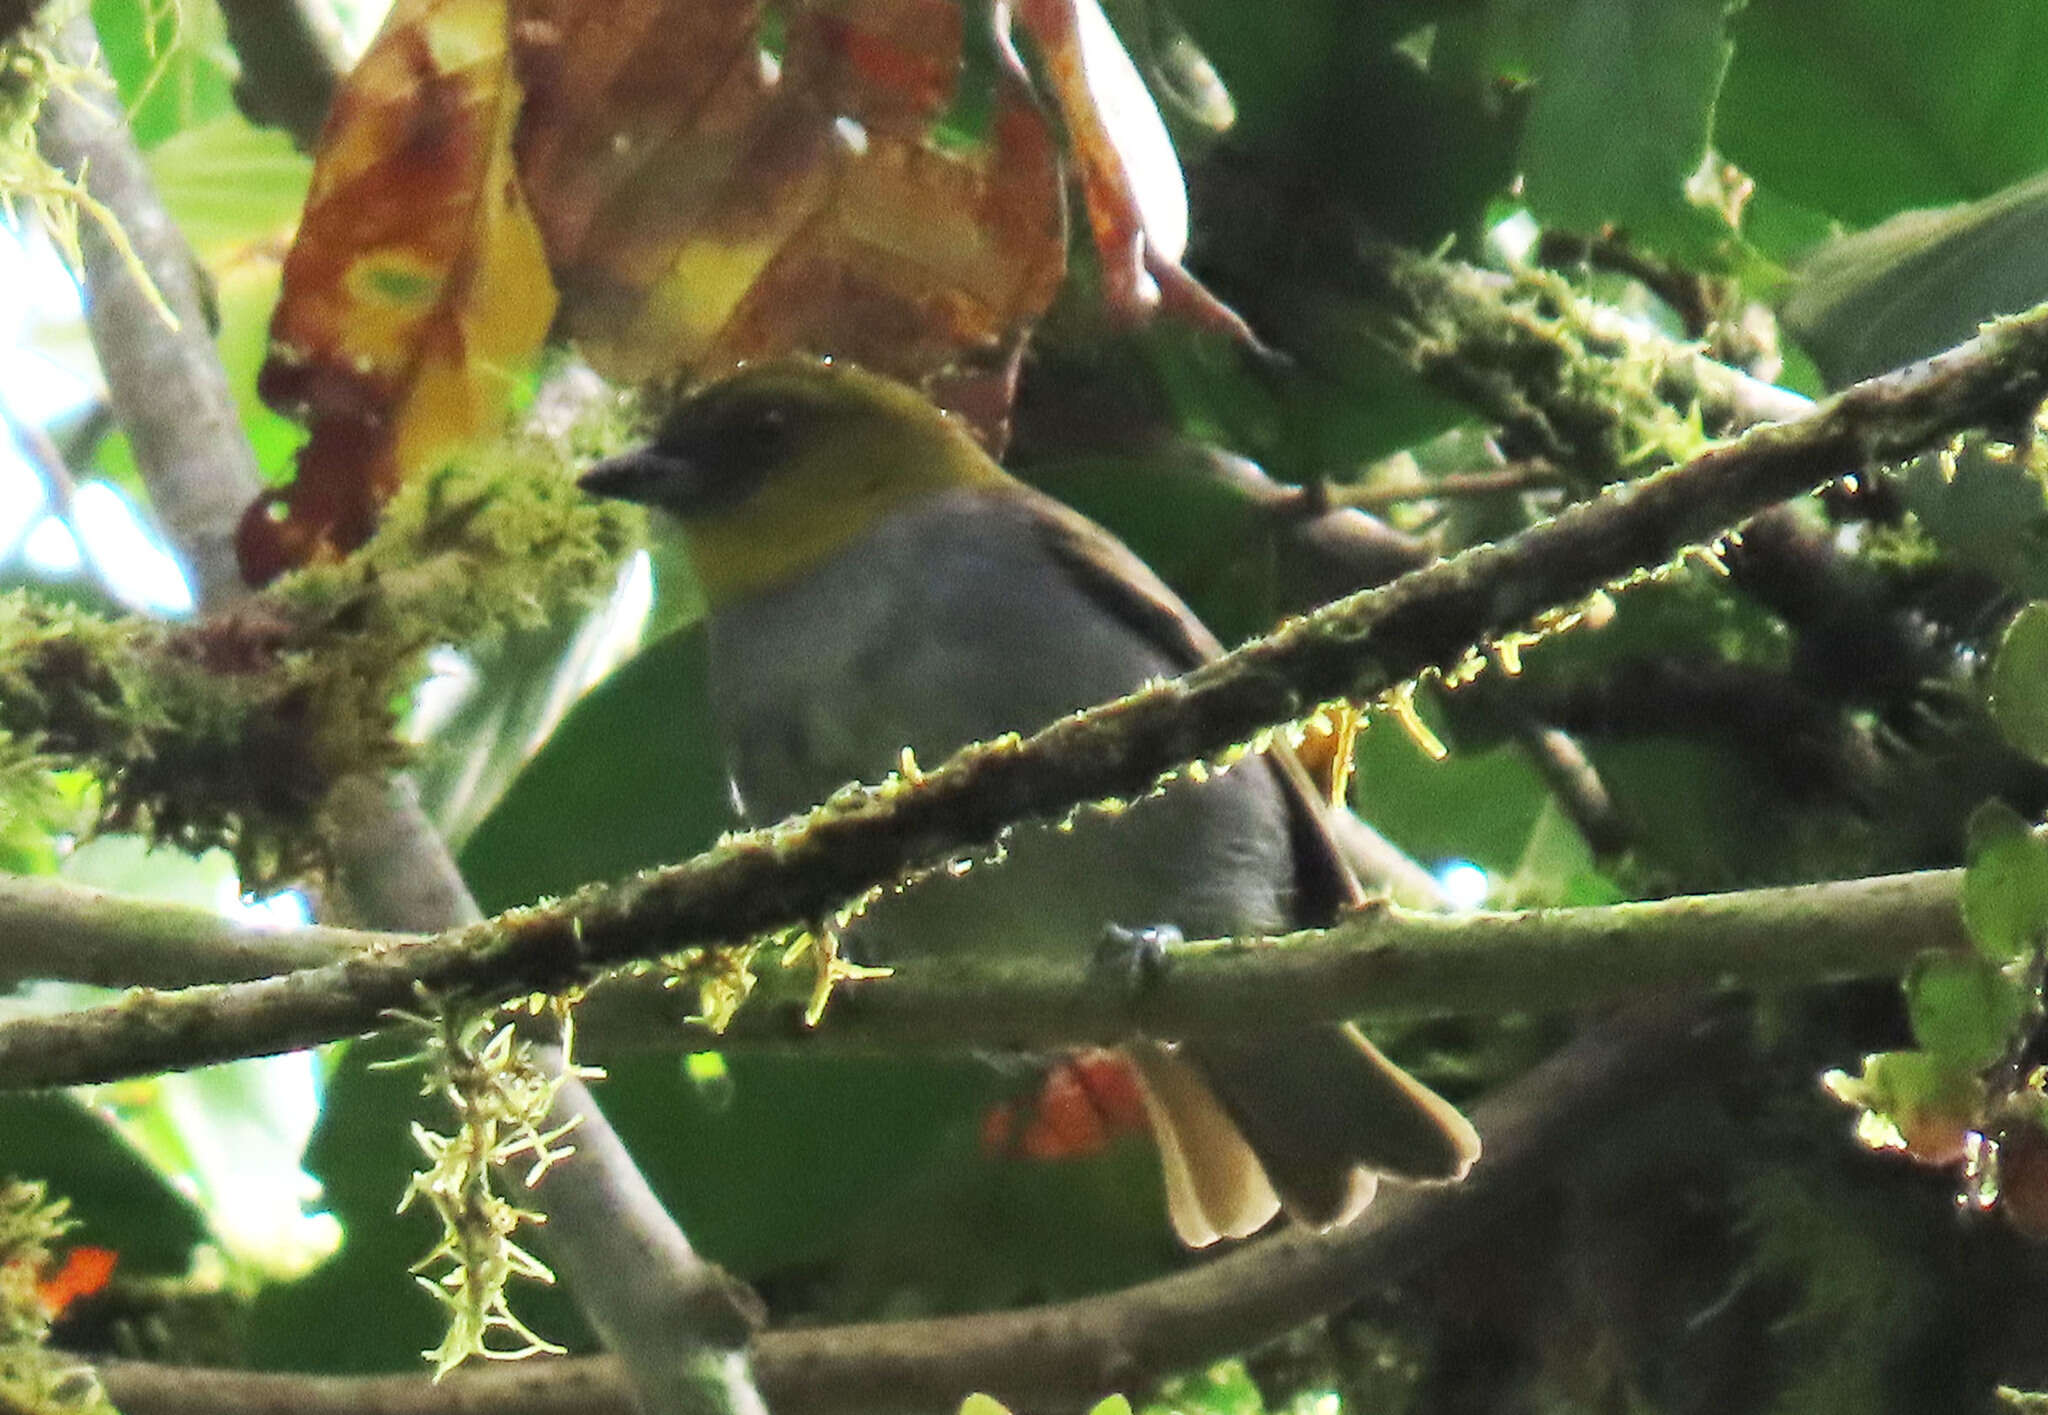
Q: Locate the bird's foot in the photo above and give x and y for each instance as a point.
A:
(1134, 959)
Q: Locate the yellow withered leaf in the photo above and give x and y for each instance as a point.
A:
(417, 285)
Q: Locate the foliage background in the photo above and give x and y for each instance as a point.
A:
(1730, 1248)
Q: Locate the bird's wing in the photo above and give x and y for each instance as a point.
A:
(1124, 586)
(1322, 1111)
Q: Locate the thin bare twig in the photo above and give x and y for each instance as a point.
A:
(1519, 476)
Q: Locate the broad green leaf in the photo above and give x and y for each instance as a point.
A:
(120, 1201)
(1624, 100)
(2019, 681)
(1923, 280)
(1863, 108)
(1964, 1010)
(1415, 137)
(1557, 868)
(632, 778)
(1473, 805)
(2005, 889)
(230, 184)
(518, 692)
(171, 62)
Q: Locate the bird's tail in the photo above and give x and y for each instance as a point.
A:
(1306, 1120)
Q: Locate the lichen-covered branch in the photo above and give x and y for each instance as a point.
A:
(1569, 381)
(58, 930)
(678, 1324)
(1060, 1356)
(315, 668)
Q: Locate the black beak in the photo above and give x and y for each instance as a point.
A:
(647, 476)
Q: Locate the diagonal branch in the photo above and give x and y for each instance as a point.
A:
(1433, 619)
(293, 56)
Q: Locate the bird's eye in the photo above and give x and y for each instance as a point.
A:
(763, 429)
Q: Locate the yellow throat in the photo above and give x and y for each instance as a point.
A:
(823, 497)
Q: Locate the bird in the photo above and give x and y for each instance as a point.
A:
(876, 584)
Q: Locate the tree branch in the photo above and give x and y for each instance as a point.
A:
(677, 1324)
(293, 58)
(636, 1276)
(199, 467)
(1381, 962)
(1069, 1353)
(1430, 619)
(59, 930)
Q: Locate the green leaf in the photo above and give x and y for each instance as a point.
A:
(1862, 108)
(1337, 97)
(228, 1138)
(1964, 1010)
(1914, 1101)
(1473, 805)
(171, 63)
(632, 778)
(1226, 1388)
(524, 686)
(1986, 512)
(2019, 681)
(1557, 868)
(230, 183)
(2005, 888)
(121, 1202)
(1923, 280)
(1624, 101)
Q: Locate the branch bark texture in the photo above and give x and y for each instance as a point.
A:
(200, 468)
(1382, 962)
(638, 1280)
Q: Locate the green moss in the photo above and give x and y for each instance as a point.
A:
(230, 731)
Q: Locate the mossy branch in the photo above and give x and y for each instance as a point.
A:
(232, 730)
(1381, 962)
(1569, 381)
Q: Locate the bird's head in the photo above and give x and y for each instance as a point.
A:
(779, 465)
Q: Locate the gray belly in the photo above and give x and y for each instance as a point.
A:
(951, 647)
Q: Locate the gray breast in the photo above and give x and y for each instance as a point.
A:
(953, 624)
